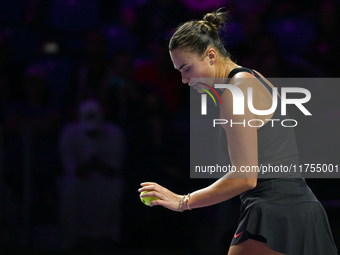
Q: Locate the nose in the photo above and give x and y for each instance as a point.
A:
(185, 80)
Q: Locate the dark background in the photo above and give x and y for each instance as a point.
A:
(123, 47)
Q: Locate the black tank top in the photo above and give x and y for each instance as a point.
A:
(276, 144)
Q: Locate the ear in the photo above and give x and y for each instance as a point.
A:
(212, 55)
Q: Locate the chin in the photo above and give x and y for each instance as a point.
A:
(200, 91)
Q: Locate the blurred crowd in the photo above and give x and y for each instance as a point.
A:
(91, 106)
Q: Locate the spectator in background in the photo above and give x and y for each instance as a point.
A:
(92, 153)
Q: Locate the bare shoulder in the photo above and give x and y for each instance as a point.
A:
(244, 80)
(241, 82)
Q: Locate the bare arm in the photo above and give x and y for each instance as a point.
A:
(242, 142)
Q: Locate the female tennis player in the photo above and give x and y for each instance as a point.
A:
(279, 213)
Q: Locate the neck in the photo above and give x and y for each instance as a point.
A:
(223, 70)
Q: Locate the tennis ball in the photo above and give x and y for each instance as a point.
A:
(147, 200)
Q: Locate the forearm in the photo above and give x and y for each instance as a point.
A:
(221, 190)
(232, 184)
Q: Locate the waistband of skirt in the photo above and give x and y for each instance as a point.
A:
(267, 183)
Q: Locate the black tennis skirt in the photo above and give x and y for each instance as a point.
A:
(286, 215)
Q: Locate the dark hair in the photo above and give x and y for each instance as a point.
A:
(197, 35)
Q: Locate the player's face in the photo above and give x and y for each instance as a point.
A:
(194, 69)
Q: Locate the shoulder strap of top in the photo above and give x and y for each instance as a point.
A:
(248, 70)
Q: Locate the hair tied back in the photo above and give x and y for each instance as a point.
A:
(197, 35)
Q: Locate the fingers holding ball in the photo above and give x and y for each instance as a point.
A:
(147, 200)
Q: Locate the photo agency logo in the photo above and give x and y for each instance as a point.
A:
(204, 97)
(239, 103)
